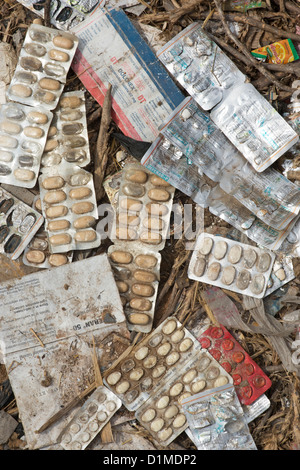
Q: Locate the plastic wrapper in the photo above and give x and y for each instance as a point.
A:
(44, 61)
(280, 52)
(217, 421)
(18, 224)
(152, 380)
(23, 135)
(231, 265)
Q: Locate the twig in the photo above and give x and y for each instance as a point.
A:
(248, 54)
(47, 7)
(39, 340)
(101, 147)
(174, 15)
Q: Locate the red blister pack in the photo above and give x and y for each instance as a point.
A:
(248, 378)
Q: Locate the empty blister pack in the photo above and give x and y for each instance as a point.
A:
(248, 378)
(137, 276)
(69, 207)
(23, 135)
(90, 419)
(18, 224)
(256, 129)
(191, 130)
(200, 66)
(68, 136)
(43, 65)
(144, 208)
(158, 360)
(37, 253)
(231, 265)
(216, 420)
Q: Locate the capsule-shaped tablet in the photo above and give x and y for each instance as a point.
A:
(80, 193)
(58, 55)
(8, 142)
(122, 257)
(86, 236)
(85, 221)
(35, 256)
(33, 132)
(75, 142)
(144, 276)
(82, 207)
(153, 223)
(60, 239)
(72, 129)
(53, 182)
(146, 261)
(205, 246)
(34, 49)
(45, 96)
(63, 42)
(6, 156)
(57, 225)
(77, 155)
(235, 254)
(54, 70)
(51, 145)
(124, 218)
(200, 267)
(39, 35)
(133, 189)
(157, 181)
(54, 197)
(228, 275)
(71, 115)
(49, 84)
(130, 204)
(37, 117)
(21, 91)
(155, 209)
(57, 259)
(26, 77)
(24, 175)
(12, 243)
(144, 290)
(213, 271)
(70, 102)
(124, 233)
(52, 131)
(159, 195)
(142, 305)
(31, 63)
(53, 212)
(10, 127)
(151, 238)
(136, 176)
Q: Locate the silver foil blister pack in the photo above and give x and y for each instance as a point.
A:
(18, 224)
(231, 265)
(43, 65)
(217, 422)
(165, 367)
(23, 134)
(200, 66)
(90, 419)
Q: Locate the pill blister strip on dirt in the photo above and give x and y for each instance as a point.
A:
(44, 61)
(232, 265)
(23, 135)
(38, 254)
(18, 224)
(216, 420)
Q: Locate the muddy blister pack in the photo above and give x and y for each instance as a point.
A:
(200, 66)
(23, 135)
(38, 254)
(18, 224)
(216, 420)
(68, 136)
(43, 65)
(167, 366)
(192, 132)
(90, 419)
(253, 125)
(69, 206)
(231, 265)
(248, 378)
(140, 227)
(64, 14)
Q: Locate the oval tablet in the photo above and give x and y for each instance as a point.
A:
(80, 193)
(164, 349)
(30, 63)
(60, 239)
(144, 276)
(169, 327)
(141, 353)
(113, 378)
(7, 141)
(177, 336)
(159, 195)
(122, 286)
(143, 305)
(53, 182)
(56, 211)
(146, 261)
(164, 434)
(58, 259)
(37, 118)
(157, 181)
(158, 371)
(228, 275)
(150, 362)
(10, 127)
(35, 256)
(133, 189)
(171, 411)
(197, 386)
(82, 207)
(243, 279)
(136, 176)
(85, 236)
(53, 197)
(213, 271)
(176, 389)
(172, 358)
(24, 175)
(162, 402)
(179, 421)
(200, 267)
(70, 102)
(59, 56)
(130, 204)
(136, 374)
(148, 415)
(263, 262)
(205, 246)
(143, 290)
(157, 424)
(220, 249)
(189, 376)
(63, 42)
(222, 380)
(33, 132)
(185, 345)
(235, 254)
(257, 284)
(122, 257)
(85, 221)
(122, 387)
(249, 258)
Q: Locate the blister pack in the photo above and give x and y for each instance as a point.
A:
(68, 136)
(23, 134)
(90, 419)
(217, 422)
(248, 378)
(166, 366)
(38, 254)
(18, 224)
(41, 72)
(137, 277)
(69, 207)
(253, 125)
(191, 130)
(230, 264)
(200, 66)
